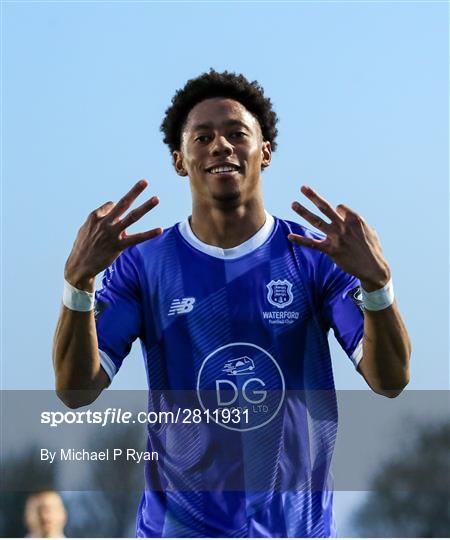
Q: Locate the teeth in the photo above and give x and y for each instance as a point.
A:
(222, 169)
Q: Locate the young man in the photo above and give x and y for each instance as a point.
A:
(234, 305)
(45, 515)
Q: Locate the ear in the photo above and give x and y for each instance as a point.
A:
(266, 152)
(177, 159)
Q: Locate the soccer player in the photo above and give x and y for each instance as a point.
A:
(45, 515)
(233, 305)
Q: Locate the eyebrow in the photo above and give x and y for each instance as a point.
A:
(209, 125)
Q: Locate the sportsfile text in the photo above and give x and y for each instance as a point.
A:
(111, 415)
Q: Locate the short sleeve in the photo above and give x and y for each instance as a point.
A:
(118, 312)
(342, 309)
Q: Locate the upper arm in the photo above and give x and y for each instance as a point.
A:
(118, 313)
(341, 309)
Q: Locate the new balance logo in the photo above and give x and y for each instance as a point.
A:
(181, 305)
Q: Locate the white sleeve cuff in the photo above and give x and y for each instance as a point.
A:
(357, 354)
(107, 364)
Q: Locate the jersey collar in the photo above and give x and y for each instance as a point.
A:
(230, 253)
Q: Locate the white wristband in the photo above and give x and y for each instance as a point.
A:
(77, 300)
(380, 299)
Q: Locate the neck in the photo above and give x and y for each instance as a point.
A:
(227, 227)
(47, 534)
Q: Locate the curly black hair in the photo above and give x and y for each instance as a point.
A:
(214, 84)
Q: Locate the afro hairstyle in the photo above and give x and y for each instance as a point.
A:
(214, 84)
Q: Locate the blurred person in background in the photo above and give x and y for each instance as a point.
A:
(45, 515)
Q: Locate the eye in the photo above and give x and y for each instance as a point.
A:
(237, 134)
(203, 138)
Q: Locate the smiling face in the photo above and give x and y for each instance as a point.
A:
(222, 152)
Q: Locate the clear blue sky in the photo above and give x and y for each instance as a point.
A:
(361, 89)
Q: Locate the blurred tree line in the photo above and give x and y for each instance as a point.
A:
(410, 495)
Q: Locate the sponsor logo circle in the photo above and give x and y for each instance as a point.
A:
(245, 380)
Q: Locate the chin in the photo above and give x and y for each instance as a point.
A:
(227, 199)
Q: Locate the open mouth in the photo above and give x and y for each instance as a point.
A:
(223, 169)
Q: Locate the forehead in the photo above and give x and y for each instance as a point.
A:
(45, 499)
(215, 112)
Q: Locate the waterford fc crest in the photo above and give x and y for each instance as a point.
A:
(280, 293)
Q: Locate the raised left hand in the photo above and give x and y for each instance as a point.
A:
(350, 242)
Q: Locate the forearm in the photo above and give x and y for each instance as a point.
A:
(78, 373)
(386, 351)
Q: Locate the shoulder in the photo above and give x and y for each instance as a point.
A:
(142, 251)
(314, 264)
(306, 254)
(136, 261)
(296, 228)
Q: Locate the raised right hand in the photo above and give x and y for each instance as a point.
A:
(102, 238)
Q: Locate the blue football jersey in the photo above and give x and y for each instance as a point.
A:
(239, 337)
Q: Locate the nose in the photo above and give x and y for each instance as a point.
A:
(221, 146)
